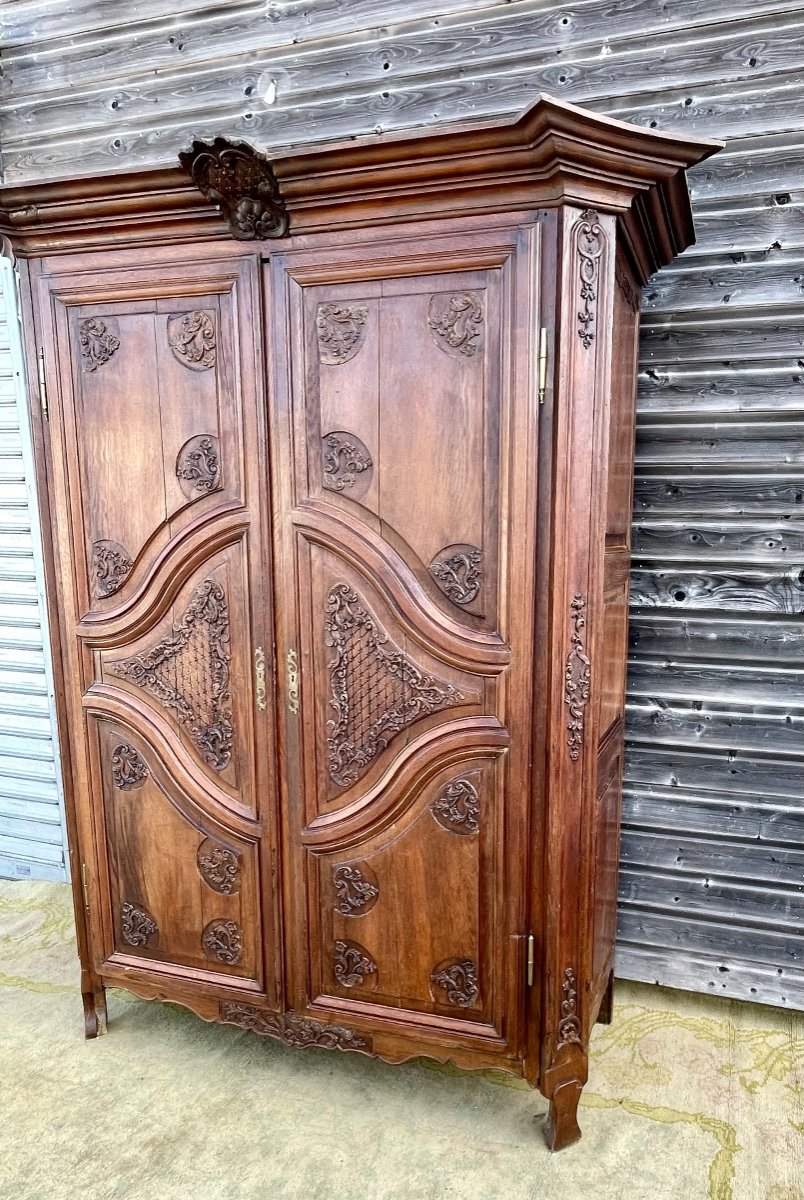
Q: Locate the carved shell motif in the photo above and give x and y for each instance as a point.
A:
(457, 978)
(191, 337)
(291, 1029)
(352, 964)
(97, 342)
(356, 893)
(222, 941)
(457, 807)
(341, 330)
(198, 466)
(455, 320)
(219, 867)
(137, 925)
(458, 571)
(129, 769)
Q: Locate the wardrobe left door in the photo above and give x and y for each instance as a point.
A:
(154, 451)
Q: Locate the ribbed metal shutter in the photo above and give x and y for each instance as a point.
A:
(31, 809)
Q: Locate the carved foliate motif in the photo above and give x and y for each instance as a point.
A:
(376, 689)
(188, 672)
(219, 867)
(458, 571)
(347, 464)
(291, 1029)
(352, 964)
(455, 320)
(457, 807)
(191, 337)
(98, 343)
(223, 942)
(341, 330)
(198, 468)
(458, 979)
(569, 1027)
(129, 769)
(137, 925)
(111, 567)
(589, 243)
(356, 894)
(241, 184)
(577, 679)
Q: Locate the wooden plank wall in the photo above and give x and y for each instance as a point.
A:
(713, 853)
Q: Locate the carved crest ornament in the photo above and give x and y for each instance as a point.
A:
(356, 894)
(341, 330)
(347, 464)
(457, 807)
(219, 867)
(223, 942)
(97, 343)
(242, 186)
(352, 964)
(191, 337)
(198, 466)
(188, 671)
(137, 925)
(291, 1029)
(111, 567)
(458, 979)
(577, 679)
(455, 321)
(376, 689)
(458, 571)
(129, 769)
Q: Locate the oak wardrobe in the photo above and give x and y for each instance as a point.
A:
(334, 454)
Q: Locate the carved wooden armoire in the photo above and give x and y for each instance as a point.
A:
(334, 454)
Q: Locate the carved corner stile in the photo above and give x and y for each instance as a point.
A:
(242, 186)
(577, 678)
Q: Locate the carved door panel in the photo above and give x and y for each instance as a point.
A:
(158, 493)
(407, 402)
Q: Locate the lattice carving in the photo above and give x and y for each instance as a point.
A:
(376, 689)
(219, 867)
(129, 769)
(292, 1029)
(341, 330)
(198, 468)
(223, 942)
(577, 680)
(188, 672)
(98, 343)
(352, 964)
(347, 464)
(457, 807)
(458, 571)
(356, 894)
(569, 1027)
(111, 567)
(455, 321)
(457, 978)
(137, 925)
(242, 186)
(589, 243)
(191, 337)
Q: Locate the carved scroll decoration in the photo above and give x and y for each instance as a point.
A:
(352, 964)
(589, 243)
(347, 464)
(356, 894)
(577, 677)
(291, 1029)
(455, 322)
(242, 186)
(191, 337)
(137, 925)
(457, 807)
(111, 566)
(569, 1027)
(223, 942)
(188, 672)
(219, 867)
(129, 769)
(341, 330)
(198, 467)
(458, 571)
(376, 689)
(97, 343)
(458, 978)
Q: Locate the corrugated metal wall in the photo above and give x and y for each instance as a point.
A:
(713, 853)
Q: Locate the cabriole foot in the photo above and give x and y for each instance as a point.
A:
(562, 1127)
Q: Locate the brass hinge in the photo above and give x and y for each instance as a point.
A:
(293, 682)
(85, 882)
(542, 364)
(259, 674)
(531, 958)
(43, 386)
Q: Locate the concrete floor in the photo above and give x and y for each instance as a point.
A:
(690, 1098)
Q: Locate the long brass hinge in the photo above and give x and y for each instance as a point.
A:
(293, 682)
(542, 364)
(531, 958)
(85, 882)
(43, 386)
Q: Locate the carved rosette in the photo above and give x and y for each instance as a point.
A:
(223, 942)
(242, 186)
(589, 246)
(219, 867)
(97, 342)
(457, 807)
(129, 769)
(137, 925)
(458, 571)
(347, 464)
(291, 1029)
(111, 567)
(376, 689)
(455, 320)
(352, 964)
(191, 337)
(198, 467)
(577, 680)
(188, 672)
(341, 330)
(569, 1027)
(356, 893)
(456, 978)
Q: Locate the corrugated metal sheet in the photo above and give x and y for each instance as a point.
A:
(32, 838)
(713, 854)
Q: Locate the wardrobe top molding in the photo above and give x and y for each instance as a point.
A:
(553, 153)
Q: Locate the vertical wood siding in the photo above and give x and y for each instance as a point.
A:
(712, 889)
